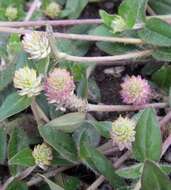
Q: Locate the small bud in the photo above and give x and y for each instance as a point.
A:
(76, 103)
(36, 44)
(11, 13)
(43, 156)
(118, 24)
(135, 90)
(53, 10)
(123, 132)
(27, 81)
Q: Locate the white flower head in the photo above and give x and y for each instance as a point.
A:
(37, 45)
(26, 80)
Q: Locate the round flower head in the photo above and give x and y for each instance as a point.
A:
(42, 154)
(53, 10)
(36, 44)
(123, 132)
(27, 81)
(11, 13)
(59, 86)
(135, 90)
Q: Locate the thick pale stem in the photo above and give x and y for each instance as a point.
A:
(83, 37)
(122, 108)
(110, 59)
(68, 22)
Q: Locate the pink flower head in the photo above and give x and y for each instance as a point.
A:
(59, 86)
(135, 90)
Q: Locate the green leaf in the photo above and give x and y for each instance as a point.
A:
(107, 18)
(162, 54)
(72, 183)
(13, 104)
(154, 178)
(61, 142)
(74, 8)
(147, 143)
(14, 185)
(18, 141)
(6, 76)
(59, 161)
(68, 122)
(132, 172)
(162, 7)
(166, 168)
(132, 10)
(91, 136)
(97, 161)
(93, 91)
(3, 145)
(52, 185)
(107, 47)
(162, 77)
(23, 158)
(103, 127)
(82, 89)
(156, 32)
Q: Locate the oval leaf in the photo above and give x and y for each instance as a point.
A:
(154, 178)
(147, 143)
(61, 142)
(68, 122)
(52, 185)
(13, 104)
(23, 158)
(132, 172)
(156, 32)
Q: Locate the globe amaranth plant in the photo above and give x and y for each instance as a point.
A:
(65, 133)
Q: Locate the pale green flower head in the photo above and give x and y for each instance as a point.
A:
(43, 156)
(53, 10)
(11, 13)
(36, 44)
(123, 132)
(27, 82)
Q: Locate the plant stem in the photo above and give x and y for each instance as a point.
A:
(52, 173)
(122, 108)
(32, 9)
(82, 37)
(68, 22)
(166, 145)
(116, 165)
(110, 59)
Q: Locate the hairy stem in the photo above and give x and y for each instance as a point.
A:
(69, 22)
(52, 173)
(122, 108)
(110, 59)
(83, 37)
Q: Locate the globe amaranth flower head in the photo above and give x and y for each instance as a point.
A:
(123, 132)
(135, 90)
(11, 13)
(27, 81)
(36, 44)
(53, 10)
(59, 88)
(43, 155)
